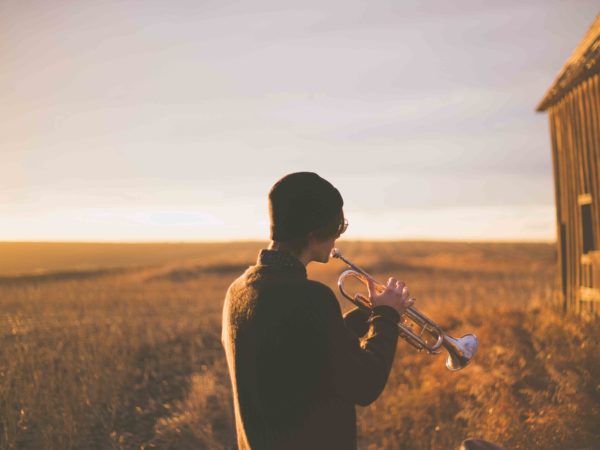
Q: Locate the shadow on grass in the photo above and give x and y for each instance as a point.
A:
(166, 374)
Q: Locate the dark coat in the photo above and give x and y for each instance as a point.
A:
(297, 367)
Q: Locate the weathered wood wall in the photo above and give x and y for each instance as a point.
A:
(575, 137)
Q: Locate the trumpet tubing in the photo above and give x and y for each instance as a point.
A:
(414, 327)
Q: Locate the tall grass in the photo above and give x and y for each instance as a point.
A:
(132, 358)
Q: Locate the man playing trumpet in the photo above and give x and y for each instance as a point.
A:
(297, 366)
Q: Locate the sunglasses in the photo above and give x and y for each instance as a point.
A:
(343, 227)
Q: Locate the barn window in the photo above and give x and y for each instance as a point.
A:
(587, 232)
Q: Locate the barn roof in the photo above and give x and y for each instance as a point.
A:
(582, 62)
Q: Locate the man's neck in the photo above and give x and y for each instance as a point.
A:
(304, 257)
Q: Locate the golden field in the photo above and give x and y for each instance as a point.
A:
(117, 346)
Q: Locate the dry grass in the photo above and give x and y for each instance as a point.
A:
(93, 357)
(26, 258)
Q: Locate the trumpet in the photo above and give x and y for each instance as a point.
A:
(414, 327)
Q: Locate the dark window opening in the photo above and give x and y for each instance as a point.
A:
(563, 262)
(587, 230)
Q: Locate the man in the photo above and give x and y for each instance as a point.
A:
(297, 367)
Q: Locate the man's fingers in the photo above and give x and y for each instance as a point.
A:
(405, 292)
(371, 287)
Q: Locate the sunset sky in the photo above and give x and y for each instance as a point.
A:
(147, 120)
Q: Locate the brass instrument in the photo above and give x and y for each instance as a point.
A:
(427, 336)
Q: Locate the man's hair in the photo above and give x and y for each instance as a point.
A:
(329, 230)
(301, 203)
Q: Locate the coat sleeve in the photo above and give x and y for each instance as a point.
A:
(357, 320)
(357, 368)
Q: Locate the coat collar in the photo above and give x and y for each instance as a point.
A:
(282, 261)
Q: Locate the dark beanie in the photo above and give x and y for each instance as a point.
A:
(301, 202)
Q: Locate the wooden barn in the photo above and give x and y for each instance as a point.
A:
(573, 106)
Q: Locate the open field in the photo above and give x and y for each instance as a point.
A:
(118, 347)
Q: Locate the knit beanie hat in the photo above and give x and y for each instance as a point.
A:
(301, 202)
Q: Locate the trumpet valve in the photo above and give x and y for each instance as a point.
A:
(358, 297)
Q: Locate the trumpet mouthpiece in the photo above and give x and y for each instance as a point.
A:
(335, 253)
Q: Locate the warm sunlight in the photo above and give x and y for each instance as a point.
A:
(175, 123)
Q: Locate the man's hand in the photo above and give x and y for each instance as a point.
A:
(396, 295)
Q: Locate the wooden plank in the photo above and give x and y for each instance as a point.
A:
(572, 175)
(584, 134)
(558, 138)
(595, 257)
(555, 164)
(580, 139)
(570, 192)
(561, 136)
(584, 199)
(558, 206)
(589, 294)
(576, 177)
(573, 133)
(565, 178)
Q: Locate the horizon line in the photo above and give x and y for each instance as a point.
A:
(249, 240)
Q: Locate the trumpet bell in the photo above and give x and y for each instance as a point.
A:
(460, 351)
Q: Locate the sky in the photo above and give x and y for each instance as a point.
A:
(170, 121)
